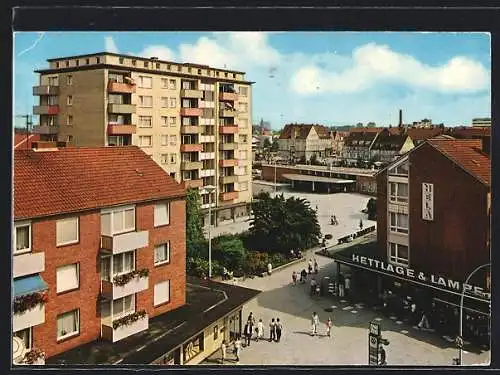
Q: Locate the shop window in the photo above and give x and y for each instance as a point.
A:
(193, 348)
(399, 254)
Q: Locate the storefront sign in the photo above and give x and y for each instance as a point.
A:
(420, 276)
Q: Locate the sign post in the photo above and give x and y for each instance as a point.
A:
(373, 343)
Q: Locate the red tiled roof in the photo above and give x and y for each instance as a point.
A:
(467, 154)
(468, 132)
(83, 178)
(421, 134)
(365, 130)
(20, 140)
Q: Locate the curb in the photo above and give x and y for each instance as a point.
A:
(303, 259)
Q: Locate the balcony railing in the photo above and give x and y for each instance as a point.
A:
(46, 109)
(29, 318)
(28, 264)
(229, 196)
(228, 129)
(121, 129)
(227, 113)
(46, 90)
(46, 129)
(112, 290)
(191, 112)
(228, 146)
(228, 179)
(121, 108)
(193, 147)
(121, 243)
(193, 184)
(191, 165)
(207, 155)
(121, 87)
(207, 138)
(126, 330)
(207, 172)
(228, 96)
(191, 129)
(193, 94)
(228, 162)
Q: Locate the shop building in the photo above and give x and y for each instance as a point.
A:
(433, 231)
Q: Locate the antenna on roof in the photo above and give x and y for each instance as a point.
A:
(28, 124)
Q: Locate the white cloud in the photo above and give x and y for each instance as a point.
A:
(109, 45)
(372, 63)
(160, 51)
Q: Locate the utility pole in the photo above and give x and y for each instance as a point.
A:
(29, 123)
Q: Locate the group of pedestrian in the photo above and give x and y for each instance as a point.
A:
(311, 267)
(333, 220)
(315, 325)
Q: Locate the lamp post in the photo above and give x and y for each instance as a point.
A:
(462, 308)
(274, 176)
(210, 190)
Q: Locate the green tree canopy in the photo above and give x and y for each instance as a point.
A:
(371, 209)
(275, 146)
(267, 144)
(194, 226)
(229, 251)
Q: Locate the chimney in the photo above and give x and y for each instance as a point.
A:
(400, 117)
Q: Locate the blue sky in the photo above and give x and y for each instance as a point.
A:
(332, 78)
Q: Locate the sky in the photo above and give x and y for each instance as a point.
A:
(329, 78)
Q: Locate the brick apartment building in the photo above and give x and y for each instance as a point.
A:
(194, 120)
(98, 245)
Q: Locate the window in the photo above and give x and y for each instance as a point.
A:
(98, 60)
(145, 101)
(87, 61)
(134, 62)
(27, 336)
(216, 332)
(22, 237)
(173, 140)
(69, 80)
(189, 70)
(171, 84)
(68, 324)
(173, 121)
(400, 170)
(116, 221)
(145, 121)
(161, 214)
(121, 60)
(67, 63)
(145, 82)
(69, 100)
(173, 102)
(67, 231)
(179, 68)
(67, 277)
(123, 306)
(115, 99)
(57, 64)
(161, 293)
(199, 71)
(69, 138)
(164, 83)
(69, 120)
(164, 140)
(146, 64)
(225, 74)
(145, 141)
(164, 158)
(398, 192)
(243, 91)
(173, 158)
(398, 254)
(157, 65)
(52, 100)
(398, 222)
(162, 253)
(164, 120)
(123, 263)
(164, 102)
(53, 81)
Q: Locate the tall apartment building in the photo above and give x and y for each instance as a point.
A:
(194, 120)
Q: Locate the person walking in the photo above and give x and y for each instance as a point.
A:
(335, 221)
(347, 285)
(279, 330)
(361, 224)
(294, 278)
(329, 326)
(269, 268)
(237, 348)
(316, 267)
(382, 354)
(313, 286)
(260, 329)
(248, 332)
(223, 352)
(310, 266)
(341, 285)
(272, 330)
(251, 318)
(303, 276)
(314, 322)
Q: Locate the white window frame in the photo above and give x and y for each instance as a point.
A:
(123, 313)
(30, 337)
(161, 283)
(112, 211)
(143, 79)
(60, 289)
(60, 222)
(172, 84)
(69, 120)
(173, 158)
(122, 257)
(164, 102)
(20, 224)
(398, 198)
(172, 102)
(142, 101)
(69, 80)
(174, 122)
(164, 120)
(173, 137)
(397, 259)
(166, 259)
(394, 170)
(164, 140)
(164, 83)
(396, 228)
(69, 100)
(164, 158)
(76, 313)
(141, 137)
(145, 121)
(156, 220)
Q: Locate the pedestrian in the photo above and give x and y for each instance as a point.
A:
(223, 352)
(303, 276)
(316, 267)
(413, 309)
(251, 318)
(328, 326)
(294, 278)
(314, 323)
(237, 348)
(347, 285)
(335, 221)
(313, 286)
(269, 268)
(310, 266)
(341, 285)
(382, 354)
(248, 332)
(361, 224)
(332, 220)
(424, 322)
(279, 329)
(260, 329)
(272, 330)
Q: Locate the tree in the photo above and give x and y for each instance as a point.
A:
(371, 124)
(195, 237)
(229, 251)
(359, 125)
(281, 225)
(371, 209)
(267, 144)
(275, 146)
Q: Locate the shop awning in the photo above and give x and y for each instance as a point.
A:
(28, 285)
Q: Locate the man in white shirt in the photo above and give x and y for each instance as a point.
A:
(315, 323)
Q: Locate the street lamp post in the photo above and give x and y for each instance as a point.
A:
(275, 176)
(462, 309)
(210, 189)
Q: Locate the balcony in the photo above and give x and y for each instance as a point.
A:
(229, 196)
(190, 129)
(46, 129)
(191, 165)
(207, 138)
(228, 96)
(121, 129)
(207, 155)
(46, 90)
(193, 184)
(29, 318)
(46, 109)
(114, 291)
(121, 243)
(126, 330)
(193, 147)
(228, 129)
(28, 264)
(191, 112)
(192, 94)
(227, 113)
(228, 162)
(228, 146)
(121, 108)
(207, 172)
(228, 179)
(121, 88)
